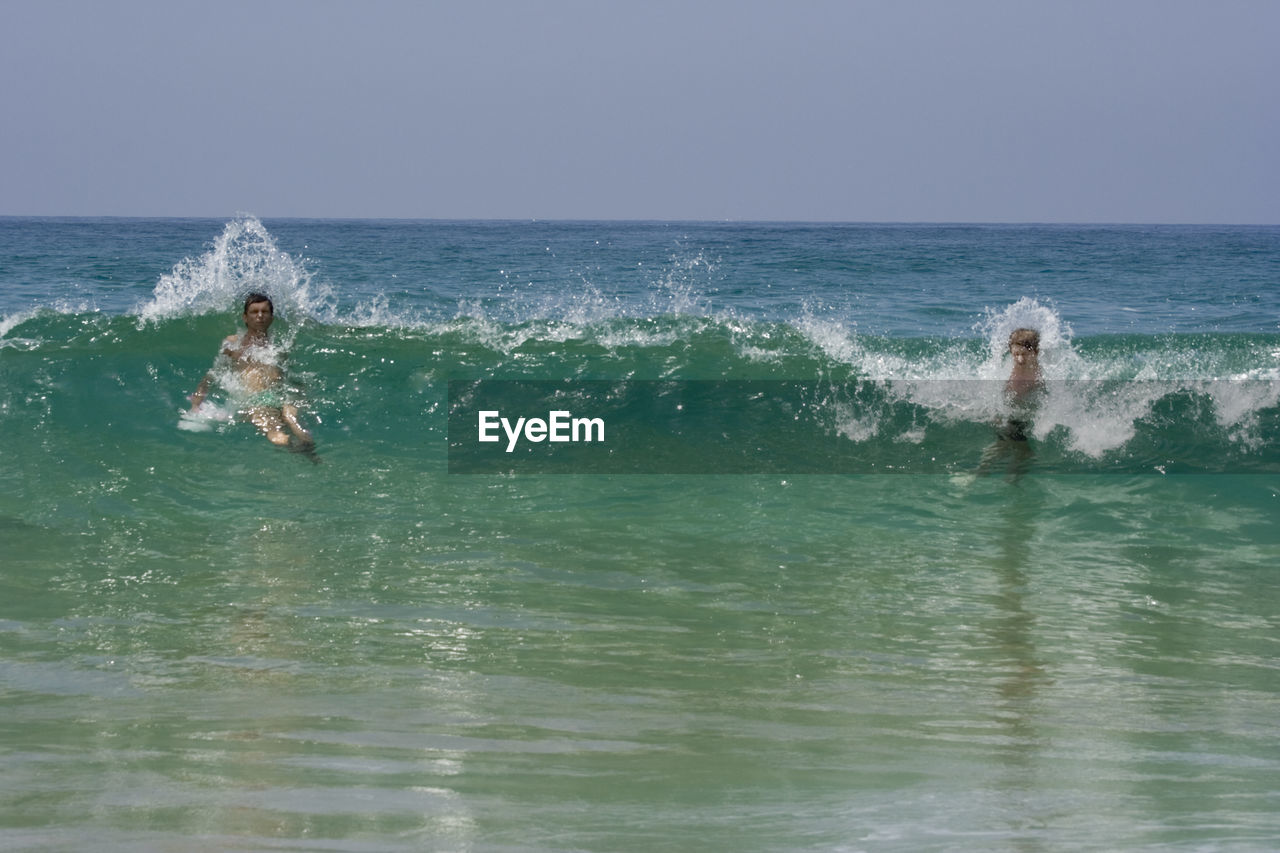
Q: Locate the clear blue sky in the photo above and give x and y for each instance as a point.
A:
(901, 110)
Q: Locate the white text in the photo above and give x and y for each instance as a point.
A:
(559, 426)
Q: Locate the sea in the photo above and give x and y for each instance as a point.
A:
(808, 580)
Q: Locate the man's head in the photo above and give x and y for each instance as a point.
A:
(254, 298)
(258, 313)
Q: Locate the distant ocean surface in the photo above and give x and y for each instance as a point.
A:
(211, 643)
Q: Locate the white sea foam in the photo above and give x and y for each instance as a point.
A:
(209, 416)
(1096, 402)
(7, 324)
(1238, 404)
(243, 259)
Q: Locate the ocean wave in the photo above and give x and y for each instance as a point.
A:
(1107, 394)
(1104, 398)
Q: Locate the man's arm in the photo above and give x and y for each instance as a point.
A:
(201, 391)
(228, 351)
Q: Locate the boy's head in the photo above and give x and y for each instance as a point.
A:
(1026, 340)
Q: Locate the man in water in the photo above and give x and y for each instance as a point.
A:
(258, 380)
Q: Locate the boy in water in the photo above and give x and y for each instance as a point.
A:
(1025, 380)
(260, 380)
(1024, 346)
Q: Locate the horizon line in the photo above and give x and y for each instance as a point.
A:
(642, 220)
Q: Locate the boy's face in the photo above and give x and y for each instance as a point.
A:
(1023, 350)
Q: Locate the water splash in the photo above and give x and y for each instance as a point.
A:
(243, 259)
(1095, 402)
(9, 322)
(1058, 359)
(682, 290)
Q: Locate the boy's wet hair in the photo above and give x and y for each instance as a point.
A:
(1028, 336)
(258, 297)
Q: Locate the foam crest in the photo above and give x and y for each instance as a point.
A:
(1093, 404)
(243, 259)
(1238, 405)
(834, 340)
(672, 308)
(7, 323)
(62, 307)
(377, 312)
(1095, 417)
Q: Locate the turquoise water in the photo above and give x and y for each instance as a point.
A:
(209, 643)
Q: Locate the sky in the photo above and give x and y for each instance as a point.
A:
(1135, 111)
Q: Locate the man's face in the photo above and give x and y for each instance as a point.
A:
(258, 316)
